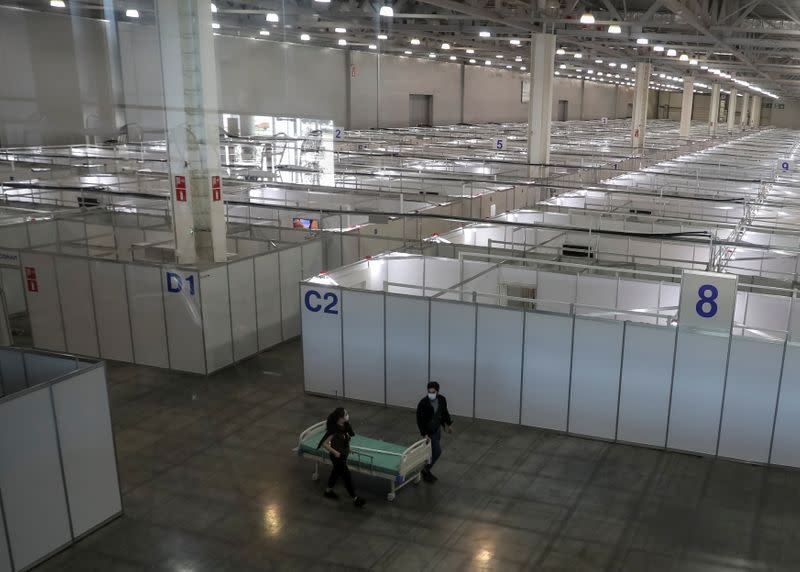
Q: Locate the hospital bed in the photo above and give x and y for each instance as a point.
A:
(398, 464)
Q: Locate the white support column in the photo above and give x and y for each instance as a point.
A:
(686, 106)
(745, 109)
(713, 110)
(731, 110)
(192, 120)
(755, 109)
(540, 107)
(640, 97)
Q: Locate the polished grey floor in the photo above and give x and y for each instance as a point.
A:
(210, 484)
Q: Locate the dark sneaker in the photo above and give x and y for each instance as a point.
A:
(330, 495)
(428, 477)
(359, 502)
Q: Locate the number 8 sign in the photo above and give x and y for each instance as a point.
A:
(708, 300)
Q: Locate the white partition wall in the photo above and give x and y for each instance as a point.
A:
(785, 444)
(217, 305)
(184, 320)
(110, 294)
(498, 364)
(290, 276)
(452, 347)
(87, 448)
(146, 303)
(44, 307)
(406, 349)
(363, 346)
(77, 305)
(645, 387)
(244, 321)
(751, 391)
(556, 287)
(594, 390)
(268, 300)
(546, 371)
(697, 387)
(322, 339)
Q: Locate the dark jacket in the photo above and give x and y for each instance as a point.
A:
(341, 439)
(427, 421)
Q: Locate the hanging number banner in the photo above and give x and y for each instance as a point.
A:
(708, 300)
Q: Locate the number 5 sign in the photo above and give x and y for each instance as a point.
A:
(708, 300)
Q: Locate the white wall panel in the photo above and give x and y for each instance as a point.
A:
(40, 367)
(638, 295)
(751, 390)
(184, 323)
(87, 448)
(111, 310)
(785, 444)
(146, 304)
(406, 350)
(322, 339)
(452, 349)
(13, 289)
(555, 287)
(290, 291)
(498, 364)
(545, 380)
(405, 271)
(43, 232)
(768, 312)
(241, 278)
(30, 477)
(646, 380)
(594, 389)
(697, 392)
(75, 293)
(362, 346)
(598, 292)
(44, 309)
(12, 372)
(312, 258)
(268, 301)
(216, 307)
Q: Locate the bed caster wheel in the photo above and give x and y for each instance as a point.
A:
(314, 476)
(390, 497)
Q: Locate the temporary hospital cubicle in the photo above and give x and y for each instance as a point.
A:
(58, 468)
(572, 363)
(193, 319)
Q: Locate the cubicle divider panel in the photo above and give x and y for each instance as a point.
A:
(41, 367)
(498, 364)
(12, 372)
(697, 388)
(751, 391)
(406, 349)
(767, 311)
(598, 292)
(216, 306)
(290, 276)
(312, 258)
(268, 300)
(452, 347)
(594, 386)
(363, 345)
(184, 320)
(87, 449)
(556, 288)
(322, 339)
(41, 294)
(406, 271)
(546, 370)
(645, 388)
(34, 499)
(77, 305)
(242, 287)
(111, 310)
(12, 282)
(146, 304)
(785, 444)
(43, 232)
(638, 295)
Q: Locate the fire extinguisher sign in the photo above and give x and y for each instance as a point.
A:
(30, 279)
(216, 189)
(180, 188)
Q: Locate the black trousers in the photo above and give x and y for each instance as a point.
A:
(340, 469)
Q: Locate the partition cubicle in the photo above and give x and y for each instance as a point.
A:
(575, 370)
(58, 468)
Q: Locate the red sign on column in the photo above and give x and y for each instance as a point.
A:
(30, 279)
(180, 188)
(216, 190)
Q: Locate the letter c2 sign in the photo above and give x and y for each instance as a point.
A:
(314, 302)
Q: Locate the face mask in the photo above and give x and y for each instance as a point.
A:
(346, 417)
(431, 396)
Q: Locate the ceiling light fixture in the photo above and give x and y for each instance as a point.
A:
(623, 66)
(692, 62)
(58, 4)
(614, 29)
(383, 37)
(577, 55)
(587, 18)
(342, 42)
(488, 62)
(470, 51)
(373, 47)
(304, 37)
(642, 41)
(340, 30)
(213, 8)
(514, 42)
(445, 46)
(452, 58)
(266, 33)
(472, 61)
(658, 48)
(684, 58)
(672, 52)
(523, 68)
(215, 25)
(431, 55)
(407, 52)
(386, 11)
(485, 34)
(272, 17)
(132, 13)
(414, 42)
(560, 51)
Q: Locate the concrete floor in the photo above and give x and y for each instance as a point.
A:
(210, 484)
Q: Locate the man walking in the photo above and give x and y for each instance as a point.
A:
(432, 415)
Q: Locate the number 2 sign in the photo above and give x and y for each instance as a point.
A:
(708, 300)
